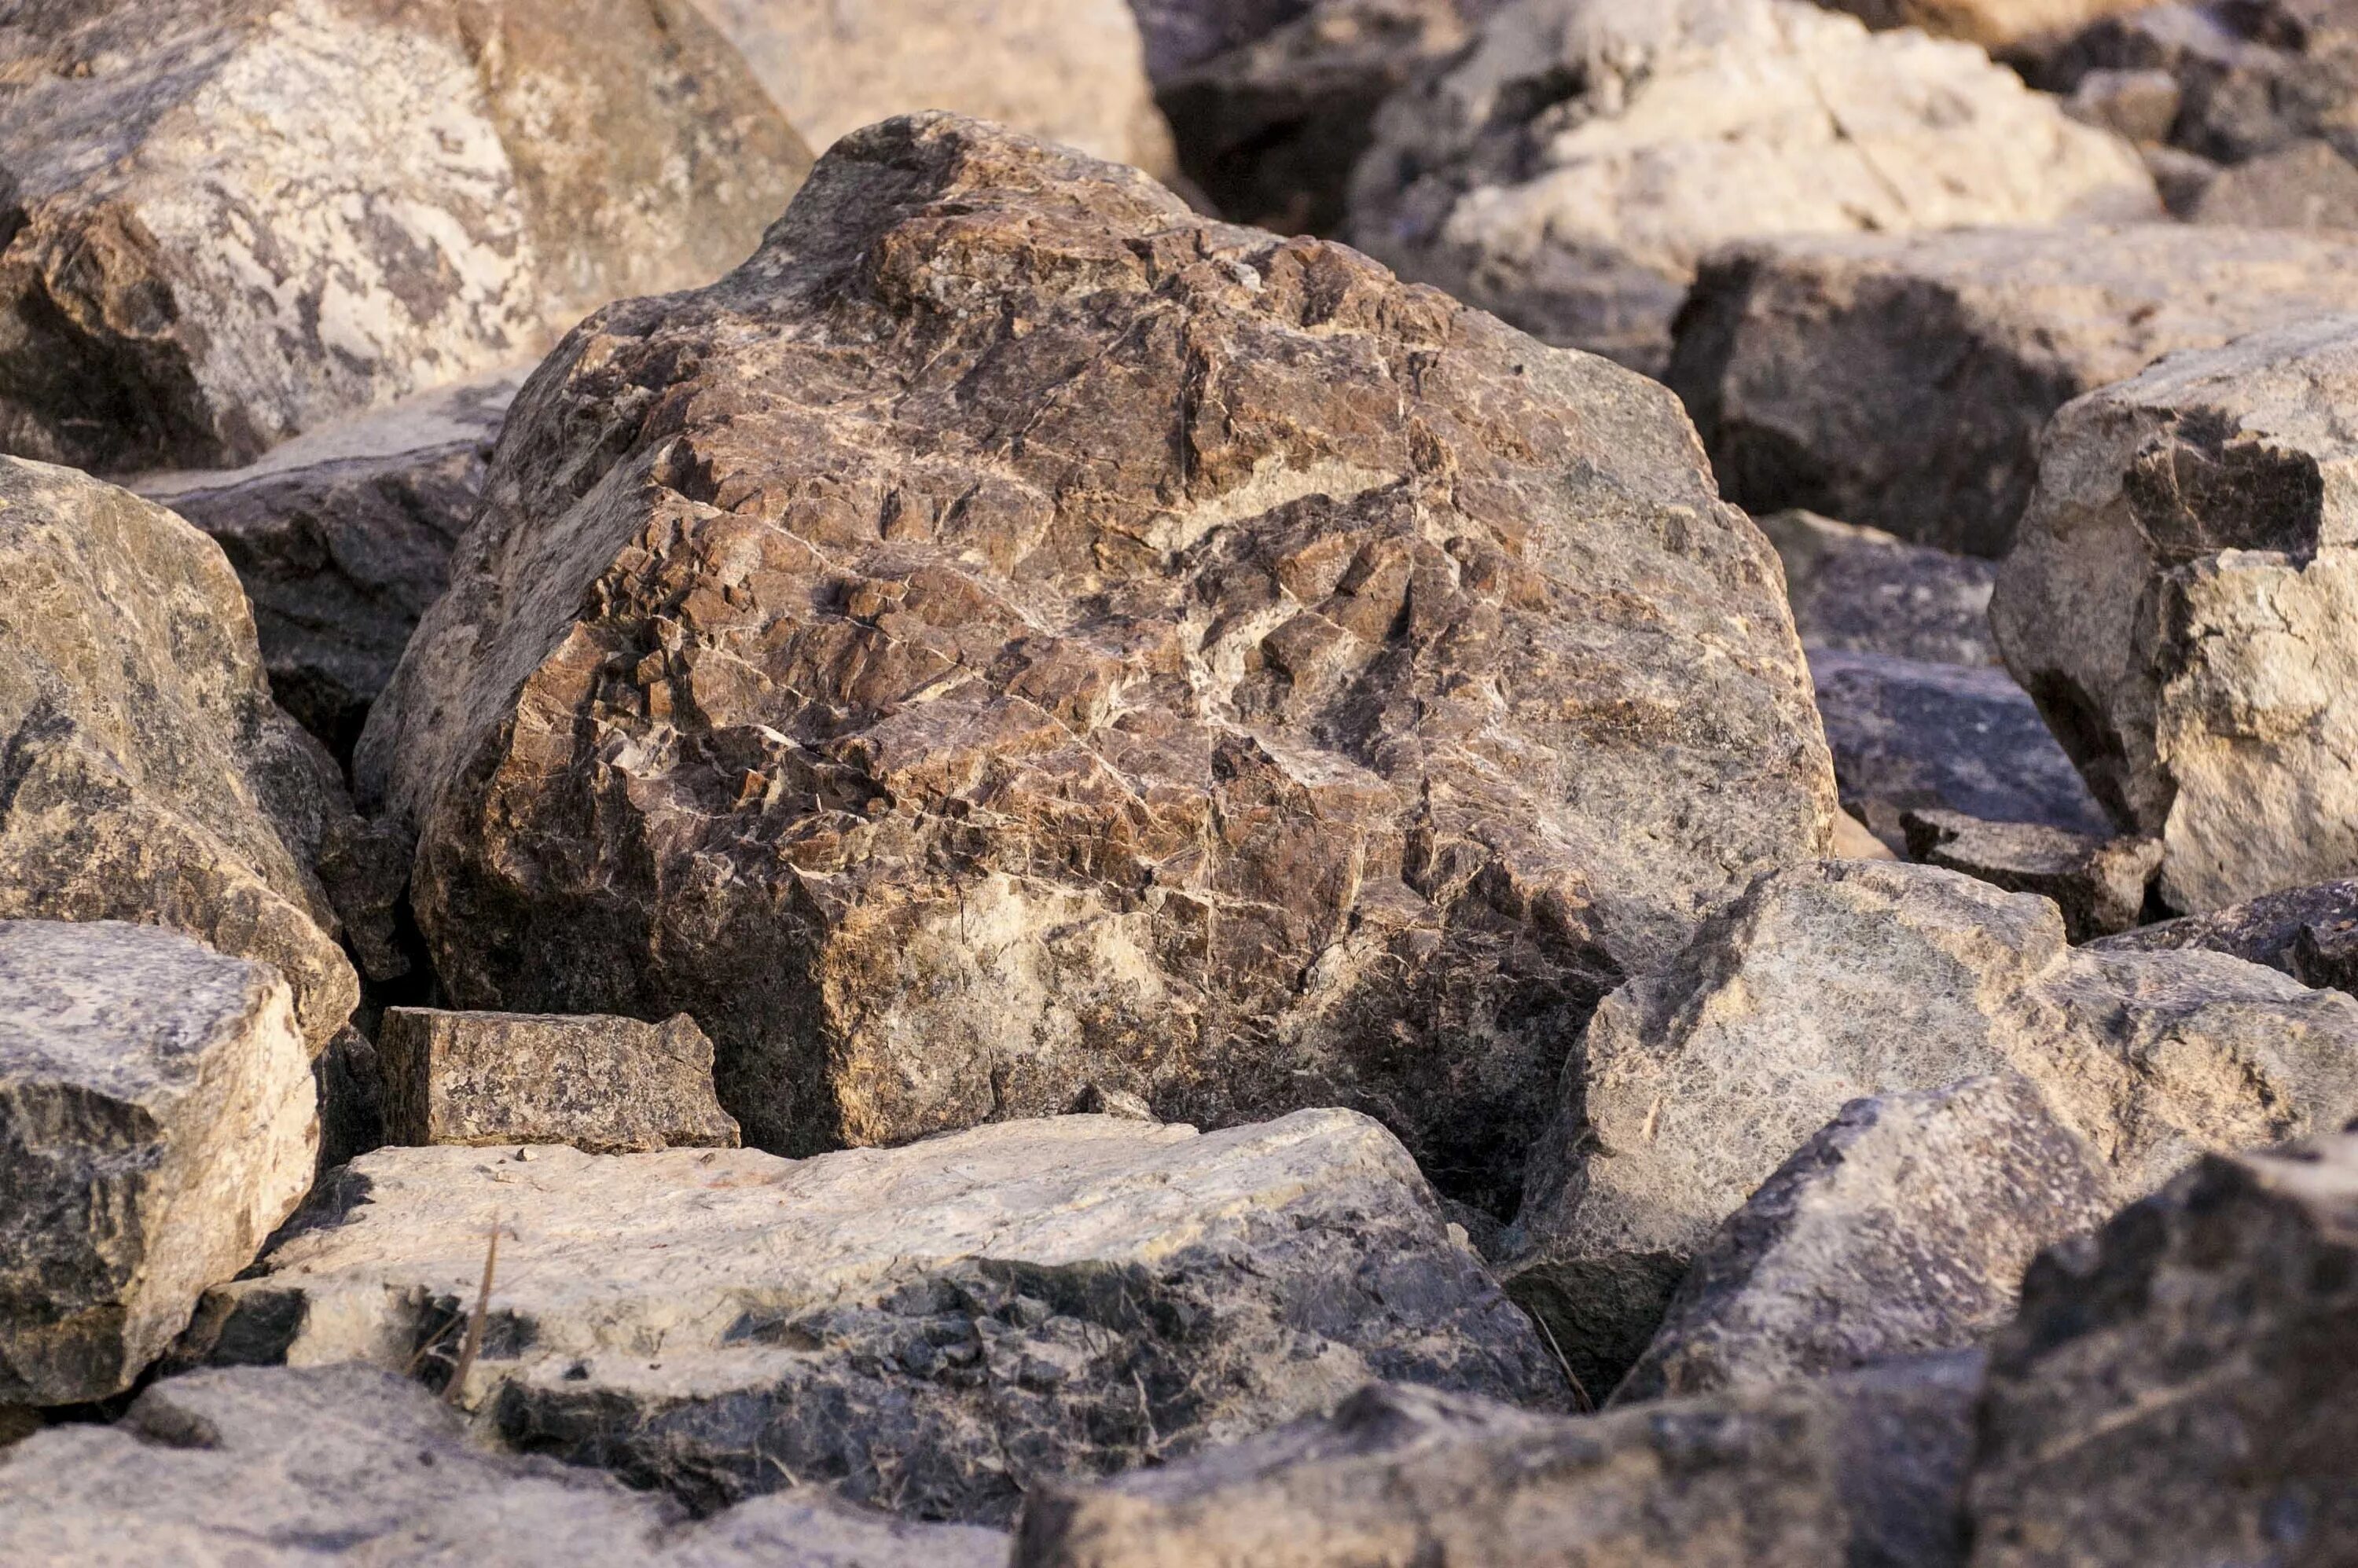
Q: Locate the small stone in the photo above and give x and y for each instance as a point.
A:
(2309, 185)
(2139, 104)
(609, 1085)
(2310, 933)
(1861, 591)
(2101, 884)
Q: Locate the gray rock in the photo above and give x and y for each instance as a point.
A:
(1996, 25)
(1903, 381)
(1829, 983)
(284, 1468)
(342, 537)
(2180, 176)
(1572, 169)
(934, 1329)
(2306, 185)
(1863, 1469)
(351, 1085)
(2182, 1390)
(1902, 1228)
(156, 1123)
(609, 1085)
(1343, 751)
(442, 187)
(2310, 933)
(1912, 736)
(1861, 591)
(144, 774)
(2141, 105)
(1184, 33)
(2183, 604)
(2100, 884)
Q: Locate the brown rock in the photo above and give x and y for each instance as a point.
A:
(2310, 933)
(1014, 634)
(2099, 884)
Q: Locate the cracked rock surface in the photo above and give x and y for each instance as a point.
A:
(934, 1330)
(1015, 634)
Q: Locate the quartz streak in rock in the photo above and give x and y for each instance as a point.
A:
(1015, 634)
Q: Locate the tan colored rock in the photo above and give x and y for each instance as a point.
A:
(149, 776)
(2183, 604)
(1993, 24)
(156, 1123)
(232, 221)
(609, 1085)
(1572, 169)
(1042, 642)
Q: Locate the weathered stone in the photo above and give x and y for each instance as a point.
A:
(1064, 71)
(1184, 33)
(342, 537)
(232, 220)
(1042, 642)
(2183, 604)
(2183, 1389)
(1861, 591)
(148, 777)
(2100, 884)
(349, 1082)
(1910, 736)
(1572, 169)
(274, 1468)
(1993, 24)
(1902, 1228)
(2139, 104)
(2305, 185)
(935, 1329)
(1834, 982)
(2310, 933)
(157, 1122)
(1904, 381)
(1863, 1469)
(2181, 177)
(609, 1085)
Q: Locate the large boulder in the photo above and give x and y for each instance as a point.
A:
(2310, 933)
(1903, 381)
(2183, 604)
(231, 221)
(149, 777)
(1861, 591)
(1014, 634)
(277, 1468)
(156, 1123)
(935, 1329)
(1572, 169)
(1834, 982)
(2182, 1390)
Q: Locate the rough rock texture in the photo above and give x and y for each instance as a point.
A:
(2183, 1389)
(1860, 590)
(1064, 71)
(342, 537)
(1903, 381)
(1184, 33)
(2310, 933)
(1993, 24)
(609, 1085)
(231, 221)
(157, 1122)
(1865, 1470)
(1911, 736)
(1833, 982)
(1015, 634)
(1571, 170)
(934, 1329)
(273, 1468)
(2307, 184)
(1902, 1228)
(2099, 884)
(2183, 604)
(144, 774)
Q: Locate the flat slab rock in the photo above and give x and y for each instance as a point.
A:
(1861, 1469)
(1861, 591)
(2183, 1389)
(156, 1123)
(1573, 167)
(1903, 381)
(606, 1085)
(1832, 982)
(2100, 884)
(2310, 933)
(279, 1468)
(936, 1329)
(945, 734)
(2183, 604)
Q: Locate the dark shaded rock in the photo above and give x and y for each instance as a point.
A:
(157, 1122)
(1901, 1229)
(2101, 884)
(2306, 185)
(1903, 381)
(2310, 933)
(1996, 25)
(1861, 591)
(351, 1085)
(2141, 105)
(1183, 33)
(1042, 641)
(609, 1085)
(934, 1329)
(2182, 1390)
